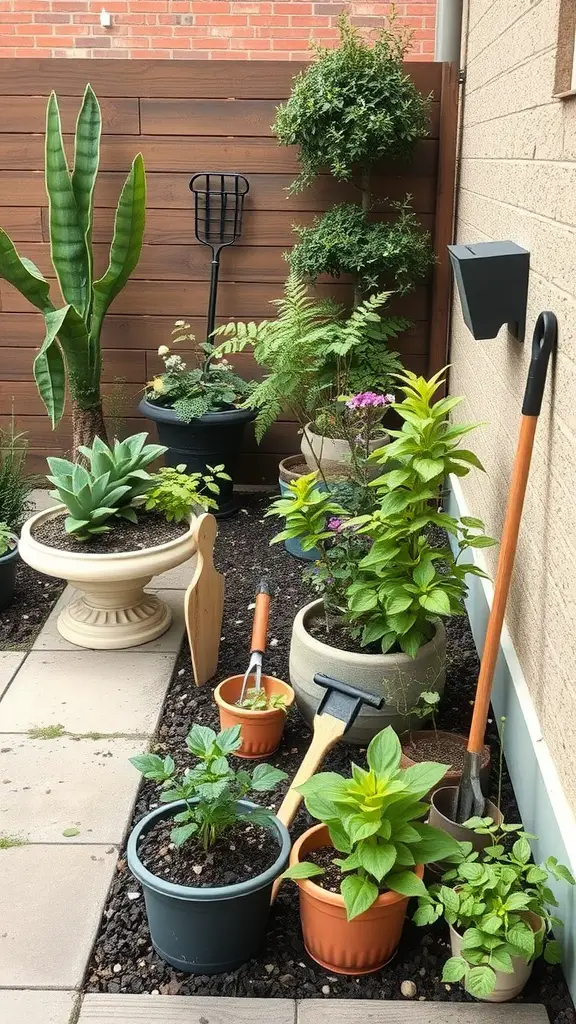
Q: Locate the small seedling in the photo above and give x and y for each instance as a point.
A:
(425, 707)
(46, 732)
(259, 700)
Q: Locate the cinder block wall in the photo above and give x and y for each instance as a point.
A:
(518, 181)
(220, 29)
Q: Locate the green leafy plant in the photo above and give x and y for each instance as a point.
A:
(114, 482)
(373, 818)
(211, 789)
(352, 106)
(306, 511)
(345, 241)
(71, 352)
(488, 898)
(314, 352)
(259, 700)
(6, 539)
(15, 483)
(174, 492)
(210, 386)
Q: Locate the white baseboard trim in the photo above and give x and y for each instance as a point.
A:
(541, 799)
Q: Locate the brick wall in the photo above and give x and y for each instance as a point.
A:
(221, 29)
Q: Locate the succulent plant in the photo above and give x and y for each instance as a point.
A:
(110, 486)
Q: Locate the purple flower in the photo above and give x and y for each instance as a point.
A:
(334, 524)
(369, 399)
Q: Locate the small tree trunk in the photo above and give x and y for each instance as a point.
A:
(365, 190)
(86, 425)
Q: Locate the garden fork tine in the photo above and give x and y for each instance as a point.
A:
(258, 644)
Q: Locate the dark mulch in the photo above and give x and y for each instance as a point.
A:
(34, 597)
(254, 850)
(150, 531)
(123, 959)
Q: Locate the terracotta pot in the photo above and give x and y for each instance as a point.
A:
(360, 946)
(453, 776)
(376, 673)
(334, 454)
(261, 730)
(111, 611)
(508, 986)
(441, 809)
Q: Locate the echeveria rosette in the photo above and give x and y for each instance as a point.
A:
(374, 821)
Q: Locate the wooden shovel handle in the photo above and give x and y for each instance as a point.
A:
(327, 732)
(260, 624)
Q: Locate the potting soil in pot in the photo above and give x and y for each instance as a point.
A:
(244, 852)
(150, 531)
(445, 750)
(123, 959)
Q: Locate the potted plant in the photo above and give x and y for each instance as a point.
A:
(384, 587)
(261, 714)
(70, 356)
(207, 857)
(369, 849)
(8, 562)
(351, 108)
(15, 489)
(497, 906)
(118, 527)
(197, 411)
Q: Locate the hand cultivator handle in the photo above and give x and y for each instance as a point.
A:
(327, 732)
(261, 613)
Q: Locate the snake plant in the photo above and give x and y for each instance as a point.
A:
(71, 353)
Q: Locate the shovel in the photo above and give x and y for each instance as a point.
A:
(253, 676)
(470, 800)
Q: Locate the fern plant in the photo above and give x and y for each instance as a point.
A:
(313, 352)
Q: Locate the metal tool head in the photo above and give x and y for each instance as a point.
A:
(470, 800)
(343, 701)
(253, 675)
(218, 207)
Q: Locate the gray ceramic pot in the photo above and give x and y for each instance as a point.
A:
(442, 806)
(210, 930)
(380, 674)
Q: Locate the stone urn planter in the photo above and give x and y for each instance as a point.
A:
(333, 454)
(379, 674)
(112, 610)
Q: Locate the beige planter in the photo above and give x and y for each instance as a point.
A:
(442, 806)
(333, 454)
(113, 610)
(379, 674)
(508, 986)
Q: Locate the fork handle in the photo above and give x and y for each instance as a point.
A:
(260, 625)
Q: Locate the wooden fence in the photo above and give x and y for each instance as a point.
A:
(187, 116)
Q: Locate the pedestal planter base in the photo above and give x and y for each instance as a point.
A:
(136, 619)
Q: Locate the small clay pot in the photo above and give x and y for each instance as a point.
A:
(453, 776)
(442, 807)
(261, 730)
(360, 946)
(508, 986)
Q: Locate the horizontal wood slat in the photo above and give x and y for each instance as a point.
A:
(184, 79)
(184, 116)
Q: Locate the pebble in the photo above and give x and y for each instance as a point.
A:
(197, 869)
(325, 990)
(269, 968)
(408, 989)
(133, 895)
(117, 968)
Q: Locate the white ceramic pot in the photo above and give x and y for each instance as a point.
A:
(508, 986)
(333, 454)
(379, 674)
(113, 611)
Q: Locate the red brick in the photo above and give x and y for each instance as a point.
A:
(52, 19)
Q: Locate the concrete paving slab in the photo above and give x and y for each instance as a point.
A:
(51, 785)
(107, 1009)
(51, 900)
(368, 1011)
(50, 639)
(42, 498)
(178, 578)
(21, 1006)
(88, 691)
(10, 662)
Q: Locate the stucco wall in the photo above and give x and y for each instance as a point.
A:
(518, 181)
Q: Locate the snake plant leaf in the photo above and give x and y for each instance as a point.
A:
(86, 161)
(23, 274)
(67, 242)
(65, 337)
(126, 244)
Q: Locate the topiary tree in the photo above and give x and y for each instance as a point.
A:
(71, 354)
(352, 107)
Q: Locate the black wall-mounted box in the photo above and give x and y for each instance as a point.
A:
(492, 280)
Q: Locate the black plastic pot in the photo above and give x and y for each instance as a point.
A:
(211, 930)
(211, 440)
(8, 563)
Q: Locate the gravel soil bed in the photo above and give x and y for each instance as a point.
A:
(253, 848)
(150, 531)
(446, 750)
(123, 959)
(34, 598)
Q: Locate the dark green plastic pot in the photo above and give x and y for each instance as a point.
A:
(8, 563)
(210, 930)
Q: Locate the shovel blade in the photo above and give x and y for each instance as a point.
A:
(470, 800)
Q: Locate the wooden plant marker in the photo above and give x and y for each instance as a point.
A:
(204, 603)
